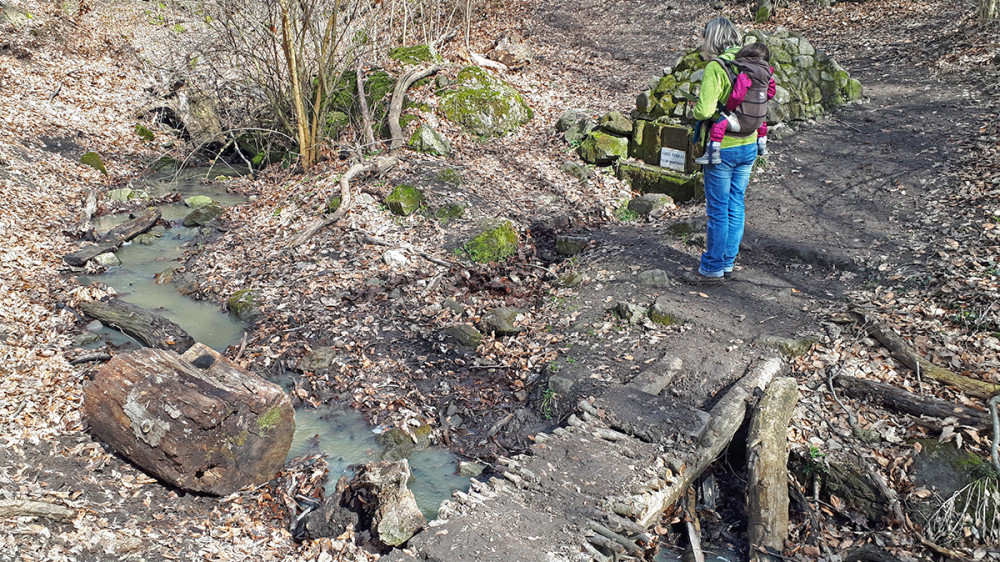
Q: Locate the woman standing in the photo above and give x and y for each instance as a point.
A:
(725, 182)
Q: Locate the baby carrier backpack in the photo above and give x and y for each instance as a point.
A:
(747, 104)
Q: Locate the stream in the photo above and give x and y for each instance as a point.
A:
(343, 434)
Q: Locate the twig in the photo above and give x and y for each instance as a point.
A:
(996, 431)
(243, 345)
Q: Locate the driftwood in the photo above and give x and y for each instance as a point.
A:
(378, 166)
(726, 418)
(30, 508)
(196, 421)
(113, 240)
(396, 104)
(924, 368)
(767, 497)
(895, 398)
(151, 330)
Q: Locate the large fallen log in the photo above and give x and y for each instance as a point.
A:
(150, 329)
(895, 398)
(924, 368)
(195, 421)
(117, 236)
(727, 416)
(767, 467)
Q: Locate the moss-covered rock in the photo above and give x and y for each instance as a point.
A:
(414, 55)
(504, 321)
(662, 312)
(495, 241)
(400, 444)
(579, 172)
(601, 148)
(450, 175)
(243, 305)
(404, 199)
(204, 215)
(615, 123)
(654, 179)
(425, 139)
(196, 201)
(649, 137)
(483, 105)
(465, 335)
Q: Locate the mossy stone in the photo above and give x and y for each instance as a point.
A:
(450, 212)
(615, 123)
(496, 241)
(645, 178)
(465, 335)
(242, 304)
(425, 139)
(204, 215)
(853, 90)
(483, 105)
(398, 444)
(196, 201)
(414, 55)
(569, 280)
(404, 199)
(504, 321)
(662, 312)
(450, 175)
(601, 148)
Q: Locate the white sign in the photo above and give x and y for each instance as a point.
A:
(672, 158)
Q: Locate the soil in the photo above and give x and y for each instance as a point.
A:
(845, 208)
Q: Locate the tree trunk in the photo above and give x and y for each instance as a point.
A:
(900, 400)
(767, 497)
(195, 421)
(151, 330)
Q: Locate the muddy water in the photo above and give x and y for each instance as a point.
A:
(342, 434)
(348, 439)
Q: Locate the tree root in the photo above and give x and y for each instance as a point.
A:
(396, 105)
(30, 508)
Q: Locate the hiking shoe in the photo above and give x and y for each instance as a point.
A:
(702, 160)
(695, 278)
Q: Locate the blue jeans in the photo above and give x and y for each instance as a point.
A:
(725, 187)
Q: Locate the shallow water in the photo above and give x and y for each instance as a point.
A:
(348, 440)
(134, 279)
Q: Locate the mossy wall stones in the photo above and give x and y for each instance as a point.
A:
(404, 199)
(495, 241)
(654, 179)
(602, 148)
(483, 105)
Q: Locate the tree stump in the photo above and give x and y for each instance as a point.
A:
(195, 421)
(767, 496)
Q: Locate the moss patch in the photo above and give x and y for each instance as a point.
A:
(332, 204)
(404, 199)
(269, 419)
(484, 106)
(93, 160)
(494, 243)
(242, 305)
(450, 175)
(414, 55)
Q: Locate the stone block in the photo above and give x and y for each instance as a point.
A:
(654, 179)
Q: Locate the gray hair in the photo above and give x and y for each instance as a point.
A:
(720, 34)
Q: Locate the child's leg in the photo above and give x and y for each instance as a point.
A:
(717, 132)
(762, 139)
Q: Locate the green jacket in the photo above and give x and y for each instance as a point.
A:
(715, 89)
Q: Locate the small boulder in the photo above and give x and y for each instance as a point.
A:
(569, 118)
(398, 443)
(470, 469)
(662, 313)
(204, 215)
(465, 335)
(483, 105)
(425, 139)
(601, 148)
(242, 305)
(196, 201)
(404, 199)
(651, 204)
(576, 170)
(379, 493)
(628, 312)
(395, 259)
(107, 259)
(569, 280)
(567, 245)
(579, 131)
(655, 278)
(454, 306)
(504, 321)
(495, 241)
(615, 123)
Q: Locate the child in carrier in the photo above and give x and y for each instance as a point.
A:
(746, 109)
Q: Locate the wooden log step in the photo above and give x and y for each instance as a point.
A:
(117, 236)
(150, 329)
(195, 421)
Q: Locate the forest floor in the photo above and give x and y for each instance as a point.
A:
(888, 205)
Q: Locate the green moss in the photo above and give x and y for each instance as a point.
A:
(664, 318)
(93, 160)
(269, 419)
(414, 55)
(494, 243)
(242, 304)
(484, 106)
(332, 204)
(448, 213)
(449, 175)
(144, 132)
(404, 199)
(407, 119)
(335, 123)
